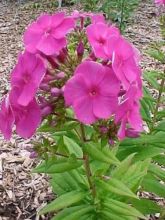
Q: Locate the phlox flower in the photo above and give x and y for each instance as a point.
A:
(27, 75)
(125, 60)
(48, 33)
(26, 118)
(6, 118)
(98, 35)
(92, 92)
(160, 2)
(128, 113)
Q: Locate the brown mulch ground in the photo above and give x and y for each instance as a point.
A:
(22, 193)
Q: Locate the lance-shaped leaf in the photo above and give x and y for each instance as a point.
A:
(151, 184)
(74, 213)
(161, 126)
(146, 206)
(63, 201)
(160, 159)
(96, 153)
(123, 167)
(145, 140)
(157, 171)
(110, 215)
(117, 187)
(122, 208)
(59, 165)
(73, 147)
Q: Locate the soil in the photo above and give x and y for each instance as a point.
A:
(22, 193)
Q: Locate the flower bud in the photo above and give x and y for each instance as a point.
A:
(92, 56)
(33, 155)
(47, 78)
(46, 111)
(44, 87)
(53, 63)
(80, 49)
(103, 129)
(60, 75)
(62, 56)
(42, 102)
(111, 142)
(131, 133)
(55, 92)
(122, 92)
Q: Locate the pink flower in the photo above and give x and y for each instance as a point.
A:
(124, 60)
(92, 92)
(27, 75)
(98, 35)
(160, 2)
(98, 18)
(26, 118)
(48, 33)
(129, 113)
(6, 118)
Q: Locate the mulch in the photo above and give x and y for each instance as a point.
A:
(22, 193)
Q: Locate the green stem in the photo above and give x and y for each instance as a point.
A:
(158, 102)
(63, 155)
(122, 14)
(87, 164)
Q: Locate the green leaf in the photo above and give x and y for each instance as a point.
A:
(116, 186)
(63, 201)
(96, 153)
(74, 213)
(145, 112)
(110, 215)
(160, 115)
(123, 167)
(151, 184)
(157, 171)
(157, 54)
(122, 208)
(58, 179)
(145, 140)
(148, 152)
(151, 80)
(134, 174)
(161, 126)
(59, 165)
(73, 147)
(160, 159)
(146, 206)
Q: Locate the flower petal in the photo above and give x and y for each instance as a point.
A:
(57, 19)
(30, 120)
(27, 94)
(110, 85)
(63, 28)
(50, 46)
(44, 21)
(104, 107)
(92, 72)
(31, 37)
(6, 119)
(74, 89)
(84, 110)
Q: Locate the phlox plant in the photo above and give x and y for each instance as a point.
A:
(79, 81)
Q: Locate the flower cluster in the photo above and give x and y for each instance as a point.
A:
(91, 69)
